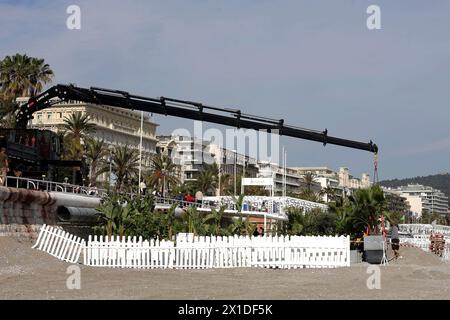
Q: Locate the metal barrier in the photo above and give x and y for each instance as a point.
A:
(51, 186)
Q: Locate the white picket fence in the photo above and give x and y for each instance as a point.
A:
(196, 252)
(59, 244)
(419, 241)
(423, 242)
(219, 252)
(128, 253)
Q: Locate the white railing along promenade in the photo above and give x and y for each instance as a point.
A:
(272, 207)
(51, 186)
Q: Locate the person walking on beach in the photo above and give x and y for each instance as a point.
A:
(395, 241)
(4, 165)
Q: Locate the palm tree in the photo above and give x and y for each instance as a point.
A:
(207, 179)
(124, 164)
(162, 173)
(95, 153)
(15, 75)
(7, 104)
(21, 75)
(296, 223)
(226, 183)
(216, 216)
(77, 128)
(367, 205)
(240, 225)
(308, 180)
(7, 107)
(329, 192)
(40, 75)
(341, 208)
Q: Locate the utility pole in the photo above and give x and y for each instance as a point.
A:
(235, 160)
(140, 153)
(110, 170)
(219, 170)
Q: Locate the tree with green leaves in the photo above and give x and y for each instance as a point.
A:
(395, 217)
(367, 206)
(322, 222)
(241, 225)
(162, 171)
(227, 184)
(124, 165)
(208, 179)
(195, 222)
(342, 210)
(21, 75)
(329, 192)
(77, 128)
(216, 216)
(296, 223)
(115, 214)
(308, 180)
(96, 152)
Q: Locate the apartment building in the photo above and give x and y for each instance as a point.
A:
(422, 198)
(272, 170)
(341, 182)
(192, 155)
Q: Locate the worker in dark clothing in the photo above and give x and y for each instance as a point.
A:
(395, 241)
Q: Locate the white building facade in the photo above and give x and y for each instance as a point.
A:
(193, 155)
(422, 198)
(116, 126)
(340, 182)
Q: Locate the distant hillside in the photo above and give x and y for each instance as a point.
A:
(437, 181)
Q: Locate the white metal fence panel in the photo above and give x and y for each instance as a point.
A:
(424, 229)
(197, 252)
(301, 252)
(200, 252)
(59, 244)
(130, 252)
(419, 241)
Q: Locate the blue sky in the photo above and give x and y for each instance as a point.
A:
(313, 63)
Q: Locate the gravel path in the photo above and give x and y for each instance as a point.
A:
(26, 273)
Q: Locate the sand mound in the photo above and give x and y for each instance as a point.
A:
(17, 257)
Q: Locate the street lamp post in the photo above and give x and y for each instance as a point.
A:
(243, 174)
(140, 152)
(164, 179)
(235, 160)
(110, 170)
(219, 171)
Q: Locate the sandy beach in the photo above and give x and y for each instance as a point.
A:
(26, 273)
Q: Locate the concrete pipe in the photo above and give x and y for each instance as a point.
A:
(77, 215)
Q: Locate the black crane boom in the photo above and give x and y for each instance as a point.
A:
(178, 108)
